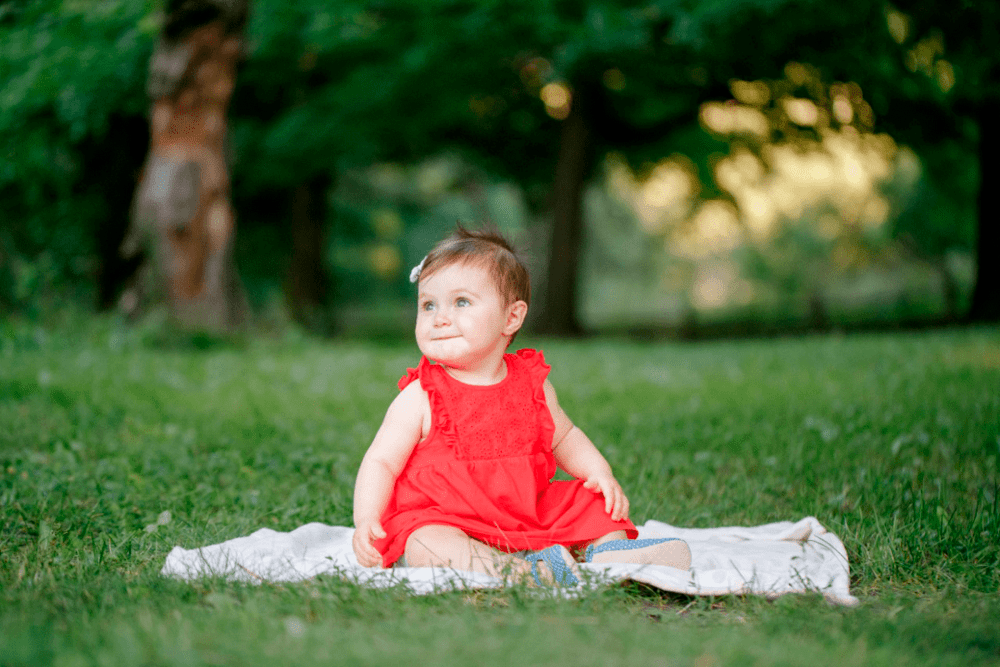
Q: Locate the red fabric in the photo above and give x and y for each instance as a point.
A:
(486, 467)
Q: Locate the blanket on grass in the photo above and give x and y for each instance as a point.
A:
(770, 560)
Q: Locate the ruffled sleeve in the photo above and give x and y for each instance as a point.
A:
(533, 362)
(432, 381)
(534, 367)
(411, 375)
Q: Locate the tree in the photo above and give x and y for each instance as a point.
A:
(600, 76)
(320, 95)
(535, 91)
(72, 139)
(182, 214)
(629, 77)
(951, 70)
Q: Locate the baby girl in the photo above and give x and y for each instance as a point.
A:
(460, 472)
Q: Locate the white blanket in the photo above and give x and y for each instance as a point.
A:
(770, 560)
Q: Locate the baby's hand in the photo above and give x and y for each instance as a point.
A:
(615, 502)
(364, 537)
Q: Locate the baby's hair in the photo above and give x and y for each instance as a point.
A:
(486, 248)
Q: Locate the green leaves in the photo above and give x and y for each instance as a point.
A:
(329, 86)
(67, 68)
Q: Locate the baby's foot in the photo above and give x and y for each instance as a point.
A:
(553, 566)
(658, 551)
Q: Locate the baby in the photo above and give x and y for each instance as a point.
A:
(460, 472)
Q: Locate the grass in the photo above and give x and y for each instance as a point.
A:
(891, 440)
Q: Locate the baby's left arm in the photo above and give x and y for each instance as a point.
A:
(577, 455)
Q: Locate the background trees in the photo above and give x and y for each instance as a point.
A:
(73, 137)
(182, 219)
(955, 91)
(337, 107)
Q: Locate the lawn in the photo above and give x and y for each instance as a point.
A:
(891, 440)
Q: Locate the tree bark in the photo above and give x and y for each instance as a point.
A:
(308, 282)
(986, 294)
(573, 166)
(182, 215)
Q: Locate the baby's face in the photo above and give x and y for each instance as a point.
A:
(462, 321)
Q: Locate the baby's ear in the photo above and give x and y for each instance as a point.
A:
(516, 312)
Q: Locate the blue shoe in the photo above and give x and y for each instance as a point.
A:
(557, 558)
(651, 551)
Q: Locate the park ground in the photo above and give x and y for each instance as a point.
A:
(118, 443)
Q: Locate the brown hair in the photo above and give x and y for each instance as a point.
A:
(485, 248)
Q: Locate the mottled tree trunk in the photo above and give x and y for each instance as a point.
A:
(308, 283)
(573, 166)
(986, 294)
(182, 215)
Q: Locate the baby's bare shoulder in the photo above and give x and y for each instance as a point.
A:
(413, 406)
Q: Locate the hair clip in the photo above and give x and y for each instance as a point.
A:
(415, 273)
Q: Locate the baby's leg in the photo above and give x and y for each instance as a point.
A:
(615, 535)
(448, 546)
(673, 553)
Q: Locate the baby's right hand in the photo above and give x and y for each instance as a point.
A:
(363, 543)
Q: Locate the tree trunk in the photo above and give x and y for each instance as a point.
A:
(573, 166)
(308, 283)
(116, 166)
(986, 294)
(182, 215)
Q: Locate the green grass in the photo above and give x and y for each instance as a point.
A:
(891, 440)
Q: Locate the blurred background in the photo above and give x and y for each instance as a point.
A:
(713, 167)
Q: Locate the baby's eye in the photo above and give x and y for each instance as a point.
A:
(427, 306)
(462, 302)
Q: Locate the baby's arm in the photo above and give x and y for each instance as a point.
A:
(400, 431)
(578, 456)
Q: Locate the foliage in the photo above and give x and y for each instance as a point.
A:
(890, 440)
(329, 88)
(70, 71)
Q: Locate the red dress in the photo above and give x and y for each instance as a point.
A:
(486, 467)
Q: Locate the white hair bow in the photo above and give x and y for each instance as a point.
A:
(415, 273)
